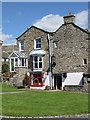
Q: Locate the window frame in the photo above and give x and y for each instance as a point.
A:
(56, 46)
(35, 44)
(38, 63)
(32, 79)
(84, 61)
(20, 45)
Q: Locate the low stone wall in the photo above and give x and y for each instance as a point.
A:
(21, 75)
(76, 88)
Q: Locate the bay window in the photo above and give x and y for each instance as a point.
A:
(37, 62)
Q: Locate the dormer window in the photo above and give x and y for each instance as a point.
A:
(21, 45)
(37, 43)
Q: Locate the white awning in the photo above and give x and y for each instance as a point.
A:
(74, 79)
(37, 52)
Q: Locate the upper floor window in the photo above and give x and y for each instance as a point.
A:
(84, 61)
(56, 44)
(38, 43)
(21, 45)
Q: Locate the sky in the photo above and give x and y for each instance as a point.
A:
(18, 16)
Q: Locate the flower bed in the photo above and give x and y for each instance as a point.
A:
(8, 75)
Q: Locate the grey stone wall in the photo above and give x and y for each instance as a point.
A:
(0, 56)
(72, 49)
(70, 18)
(29, 36)
(21, 75)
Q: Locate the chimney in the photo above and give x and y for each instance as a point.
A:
(69, 19)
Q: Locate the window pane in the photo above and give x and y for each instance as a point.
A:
(22, 61)
(35, 58)
(39, 81)
(32, 75)
(40, 65)
(31, 81)
(36, 65)
(16, 62)
(39, 75)
(38, 43)
(39, 46)
(22, 45)
(35, 75)
(39, 40)
(22, 42)
(40, 58)
(25, 62)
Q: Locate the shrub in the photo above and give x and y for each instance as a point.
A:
(5, 68)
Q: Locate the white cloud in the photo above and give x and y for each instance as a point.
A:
(50, 22)
(53, 22)
(7, 39)
(82, 19)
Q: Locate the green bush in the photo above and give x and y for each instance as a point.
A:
(5, 68)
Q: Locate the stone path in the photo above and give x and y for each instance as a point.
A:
(62, 116)
(12, 92)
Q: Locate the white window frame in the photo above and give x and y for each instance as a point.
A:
(55, 44)
(25, 64)
(20, 46)
(86, 61)
(35, 43)
(37, 69)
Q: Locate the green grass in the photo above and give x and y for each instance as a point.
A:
(8, 88)
(40, 103)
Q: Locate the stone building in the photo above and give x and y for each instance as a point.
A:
(71, 53)
(0, 56)
(68, 63)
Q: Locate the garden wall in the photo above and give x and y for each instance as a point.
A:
(76, 88)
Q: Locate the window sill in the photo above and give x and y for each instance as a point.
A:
(21, 50)
(37, 48)
(20, 66)
(37, 70)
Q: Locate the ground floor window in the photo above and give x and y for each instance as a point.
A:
(36, 80)
(17, 62)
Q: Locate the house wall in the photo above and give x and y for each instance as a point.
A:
(29, 38)
(0, 56)
(72, 49)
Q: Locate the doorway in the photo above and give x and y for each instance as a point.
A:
(58, 82)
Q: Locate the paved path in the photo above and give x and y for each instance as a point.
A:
(12, 92)
(39, 90)
(51, 117)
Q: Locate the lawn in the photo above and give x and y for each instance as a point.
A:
(42, 103)
(8, 88)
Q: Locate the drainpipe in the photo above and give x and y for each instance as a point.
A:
(50, 61)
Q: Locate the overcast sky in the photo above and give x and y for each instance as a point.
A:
(18, 16)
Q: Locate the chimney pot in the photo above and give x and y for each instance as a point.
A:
(70, 13)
